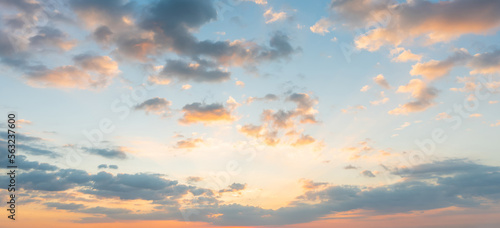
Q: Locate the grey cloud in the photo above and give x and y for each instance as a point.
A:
(157, 105)
(102, 166)
(367, 173)
(107, 153)
(113, 166)
(51, 37)
(197, 72)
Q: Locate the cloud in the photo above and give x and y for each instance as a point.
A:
(404, 55)
(322, 26)
(432, 21)
(102, 166)
(383, 99)
(423, 95)
(353, 109)
(311, 185)
(442, 116)
(380, 80)
(189, 143)
(267, 97)
(235, 187)
(205, 113)
(437, 69)
(304, 140)
(365, 88)
(51, 37)
(350, 167)
(406, 124)
(118, 153)
(157, 106)
(198, 72)
(272, 16)
(259, 2)
(113, 166)
(485, 63)
(367, 173)
(102, 65)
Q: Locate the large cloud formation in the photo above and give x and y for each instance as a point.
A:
(439, 184)
(389, 22)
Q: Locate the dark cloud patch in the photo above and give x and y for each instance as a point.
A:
(235, 187)
(51, 37)
(102, 166)
(113, 166)
(25, 6)
(107, 153)
(198, 72)
(367, 173)
(157, 106)
(37, 151)
(102, 34)
(350, 167)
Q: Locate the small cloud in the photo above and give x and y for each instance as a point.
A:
(406, 124)
(350, 167)
(367, 173)
(272, 16)
(240, 83)
(475, 115)
(380, 80)
(365, 88)
(186, 86)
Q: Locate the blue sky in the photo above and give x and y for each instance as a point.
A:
(253, 112)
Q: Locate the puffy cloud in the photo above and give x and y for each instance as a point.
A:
(365, 88)
(304, 140)
(188, 143)
(272, 16)
(436, 69)
(51, 37)
(118, 153)
(102, 34)
(157, 106)
(102, 166)
(252, 130)
(311, 185)
(485, 63)
(65, 77)
(435, 21)
(102, 65)
(380, 80)
(404, 55)
(198, 72)
(322, 26)
(267, 97)
(423, 94)
(235, 187)
(205, 113)
(367, 173)
(103, 69)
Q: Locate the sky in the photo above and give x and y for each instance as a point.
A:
(252, 113)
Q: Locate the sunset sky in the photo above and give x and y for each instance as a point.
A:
(252, 113)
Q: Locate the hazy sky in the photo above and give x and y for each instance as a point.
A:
(199, 113)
